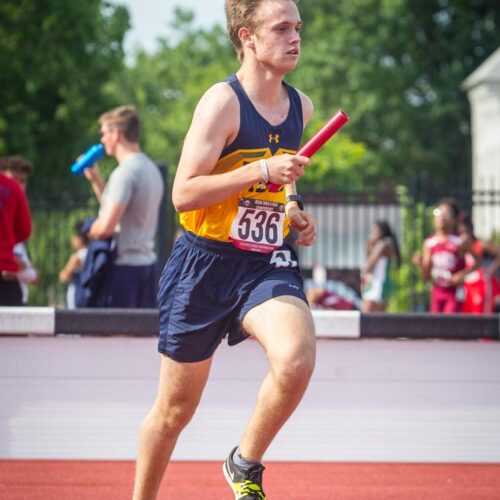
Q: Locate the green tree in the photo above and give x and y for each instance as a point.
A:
(56, 57)
(396, 67)
(166, 85)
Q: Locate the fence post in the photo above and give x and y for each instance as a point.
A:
(415, 199)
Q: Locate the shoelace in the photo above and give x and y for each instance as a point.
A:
(254, 474)
(252, 483)
(251, 488)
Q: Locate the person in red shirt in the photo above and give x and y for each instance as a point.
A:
(15, 226)
(20, 169)
(443, 260)
(480, 286)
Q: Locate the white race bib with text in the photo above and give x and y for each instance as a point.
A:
(258, 225)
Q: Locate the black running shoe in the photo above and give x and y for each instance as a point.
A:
(246, 483)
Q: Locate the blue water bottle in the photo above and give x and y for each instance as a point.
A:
(93, 154)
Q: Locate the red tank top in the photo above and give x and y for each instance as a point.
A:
(445, 257)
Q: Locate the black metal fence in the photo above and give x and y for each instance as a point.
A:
(482, 204)
(345, 220)
(344, 223)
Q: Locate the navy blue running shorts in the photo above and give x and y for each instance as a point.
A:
(208, 286)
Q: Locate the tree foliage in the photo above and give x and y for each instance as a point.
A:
(55, 56)
(396, 67)
(166, 85)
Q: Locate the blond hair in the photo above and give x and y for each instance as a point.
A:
(241, 14)
(124, 118)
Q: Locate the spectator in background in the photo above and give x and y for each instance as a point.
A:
(334, 294)
(70, 273)
(15, 227)
(443, 259)
(480, 286)
(382, 252)
(129, 211)
(20, 169)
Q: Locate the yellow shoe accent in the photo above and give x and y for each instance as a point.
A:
(248, 488)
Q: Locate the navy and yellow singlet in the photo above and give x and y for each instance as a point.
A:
(257, 139)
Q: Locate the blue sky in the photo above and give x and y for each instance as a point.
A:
(150, 18)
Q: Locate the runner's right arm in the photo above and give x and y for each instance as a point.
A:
(215, 124)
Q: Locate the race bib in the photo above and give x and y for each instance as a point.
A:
(258, 225)
(441, 277)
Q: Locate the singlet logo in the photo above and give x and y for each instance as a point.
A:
(274, 138)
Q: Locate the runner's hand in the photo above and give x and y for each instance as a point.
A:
(285, 168)
(305, 224)
(457, 278)
(417, 259)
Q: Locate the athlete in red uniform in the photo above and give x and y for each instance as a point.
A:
(480, 286)
(443, 260)
(15, 226)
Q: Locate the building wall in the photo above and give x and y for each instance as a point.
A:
(484, 97)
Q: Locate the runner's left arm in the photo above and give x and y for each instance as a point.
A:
(303, 222)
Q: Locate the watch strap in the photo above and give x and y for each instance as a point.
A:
(297, 198)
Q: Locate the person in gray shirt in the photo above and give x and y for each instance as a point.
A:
(130, 202)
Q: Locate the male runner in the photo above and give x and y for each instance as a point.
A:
(231, 272)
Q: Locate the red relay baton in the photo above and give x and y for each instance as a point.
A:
(333, 125)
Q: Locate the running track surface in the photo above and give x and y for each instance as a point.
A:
(112, 480)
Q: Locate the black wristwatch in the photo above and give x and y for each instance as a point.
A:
(297, 198)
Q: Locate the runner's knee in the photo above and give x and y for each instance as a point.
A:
(173, 418)
(294, 369)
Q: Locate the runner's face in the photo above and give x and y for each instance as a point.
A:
(277, 36)
(443, 218)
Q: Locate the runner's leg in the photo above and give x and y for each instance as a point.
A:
(285, 328)
(179, 392)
